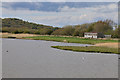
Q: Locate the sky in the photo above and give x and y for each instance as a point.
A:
(60, 0)
(59, 14)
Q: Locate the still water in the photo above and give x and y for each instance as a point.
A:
(36, 59)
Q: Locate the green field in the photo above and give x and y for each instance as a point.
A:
(89, 49)
(70, 39)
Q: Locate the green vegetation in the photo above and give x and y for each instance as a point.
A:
(89, 49)
(14, 25)
(105, 27)
(70, 39)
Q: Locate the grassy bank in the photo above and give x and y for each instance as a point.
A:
(101, 45)
(89, 49)
(70, 39)
(10, 35)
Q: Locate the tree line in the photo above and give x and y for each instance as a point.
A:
(14, 25)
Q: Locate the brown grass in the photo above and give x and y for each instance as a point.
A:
(110, 45)
(5, 35)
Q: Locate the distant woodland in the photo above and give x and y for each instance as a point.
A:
(14, 25)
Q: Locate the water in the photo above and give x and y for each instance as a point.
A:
(36, 59)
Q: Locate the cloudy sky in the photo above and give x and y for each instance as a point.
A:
(60, 0)
(61, 13)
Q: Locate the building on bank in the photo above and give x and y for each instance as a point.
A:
(107, 36)
(93, 35)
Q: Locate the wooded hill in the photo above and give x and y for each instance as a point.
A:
(14, 25)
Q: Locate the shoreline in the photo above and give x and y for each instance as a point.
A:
(97, 43)
(33, 37)
(6, 35)
(93, 49)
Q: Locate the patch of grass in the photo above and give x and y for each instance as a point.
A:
(89, 49)
(70, 39)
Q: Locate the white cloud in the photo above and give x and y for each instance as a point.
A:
(0, 9)
(60, 0)
(66, 16)
(103, 8)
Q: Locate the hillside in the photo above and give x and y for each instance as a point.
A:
(15, 25)
(14, 22)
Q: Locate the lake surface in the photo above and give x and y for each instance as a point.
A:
(36, 59)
